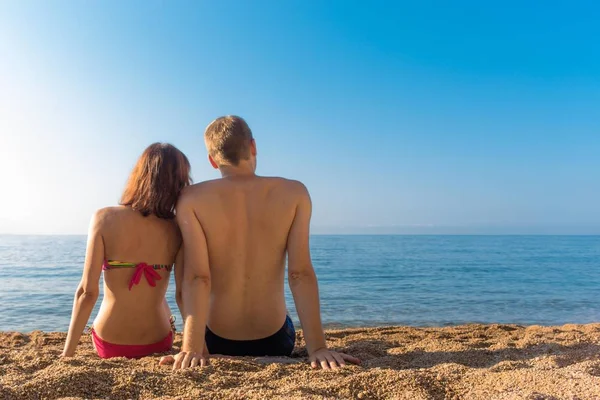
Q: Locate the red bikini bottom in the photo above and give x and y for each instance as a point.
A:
(109, 350)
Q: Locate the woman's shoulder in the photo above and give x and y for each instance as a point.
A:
(107, 212)
(119, 218)
(107, 215)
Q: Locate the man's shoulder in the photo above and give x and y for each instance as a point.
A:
(290, 187)
(290, 184)
(197, 189)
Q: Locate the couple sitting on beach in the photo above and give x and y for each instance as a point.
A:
(227, 240)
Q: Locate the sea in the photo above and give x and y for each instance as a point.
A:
(371, 280)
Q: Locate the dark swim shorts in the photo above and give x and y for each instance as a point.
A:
(281, 343)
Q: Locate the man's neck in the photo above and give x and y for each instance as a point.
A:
(242, 170)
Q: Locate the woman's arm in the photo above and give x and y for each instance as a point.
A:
(87, 292)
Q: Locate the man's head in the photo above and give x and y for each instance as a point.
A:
(229, 141)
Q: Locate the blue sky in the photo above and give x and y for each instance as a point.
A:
(404, 117)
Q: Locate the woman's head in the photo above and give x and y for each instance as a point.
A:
(156, 181)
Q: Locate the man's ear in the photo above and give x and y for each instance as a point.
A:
(253, 147)
(212, 162)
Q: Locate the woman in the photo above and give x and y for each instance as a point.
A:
(136, 245)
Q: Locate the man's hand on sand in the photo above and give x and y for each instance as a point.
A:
(328, 359)
(184, 360)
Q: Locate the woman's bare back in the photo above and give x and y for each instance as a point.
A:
(139, 315)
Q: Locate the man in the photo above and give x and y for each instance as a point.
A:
(237, 231)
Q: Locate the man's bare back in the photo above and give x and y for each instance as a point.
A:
(237, 231)
(246, 221)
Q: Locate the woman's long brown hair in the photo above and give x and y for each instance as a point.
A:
(156, 181)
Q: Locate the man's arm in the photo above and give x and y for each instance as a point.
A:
(179, 282)
(195, 285)
(304, 287)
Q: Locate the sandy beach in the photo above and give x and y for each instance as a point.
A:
(462, 362)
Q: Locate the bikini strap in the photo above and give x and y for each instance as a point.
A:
(122, 264)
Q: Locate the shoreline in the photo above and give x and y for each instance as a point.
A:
(495, 361)
(338, 326)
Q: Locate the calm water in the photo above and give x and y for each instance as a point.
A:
(364, 280)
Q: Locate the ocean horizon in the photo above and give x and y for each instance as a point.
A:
(364, 280)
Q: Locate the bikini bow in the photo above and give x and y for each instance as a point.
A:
(147, 270)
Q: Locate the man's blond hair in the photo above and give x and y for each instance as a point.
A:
(228, 140)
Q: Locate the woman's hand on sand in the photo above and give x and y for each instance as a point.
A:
(185, 359)
(328, 359)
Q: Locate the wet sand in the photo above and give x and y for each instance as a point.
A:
(462, 362)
